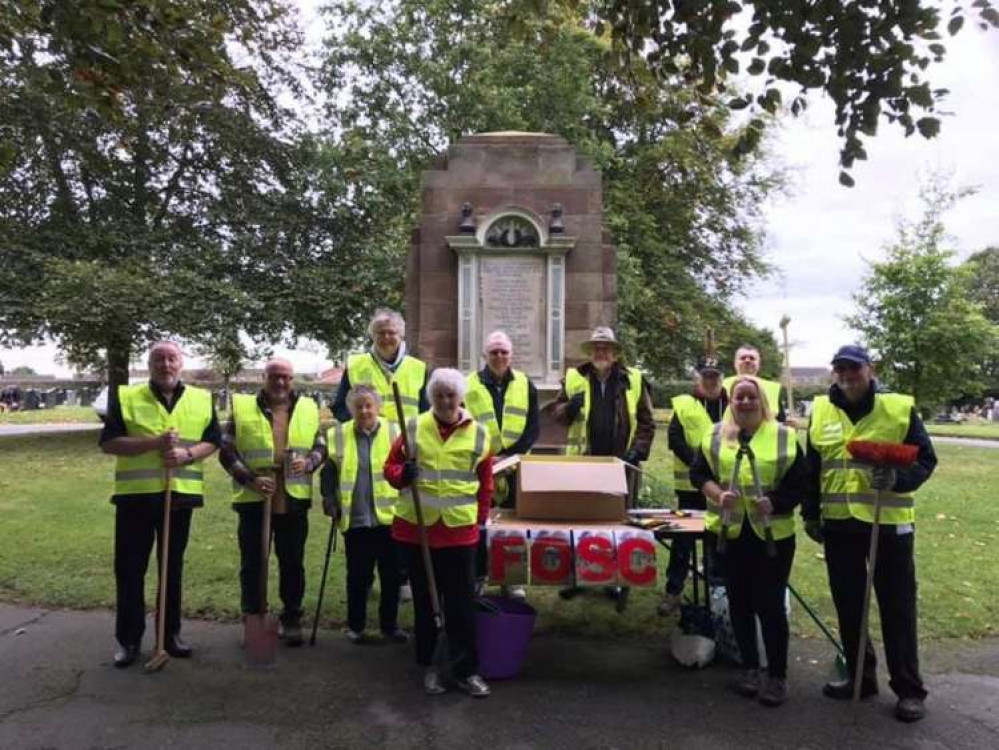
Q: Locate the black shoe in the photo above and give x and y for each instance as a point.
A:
(910, 709)
(291, 632)
(177, 648)
(396, 636)
(569, 593)
(125, 656)
(621, 603)
(842, 690)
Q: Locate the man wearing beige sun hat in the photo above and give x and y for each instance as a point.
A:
(606, 406)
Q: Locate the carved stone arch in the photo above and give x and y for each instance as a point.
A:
(514, 220)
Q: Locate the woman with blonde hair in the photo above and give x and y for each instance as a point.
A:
(752, 475)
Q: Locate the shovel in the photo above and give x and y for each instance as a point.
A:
(161, 656)
(260, 630)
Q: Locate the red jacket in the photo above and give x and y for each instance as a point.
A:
(438, 534)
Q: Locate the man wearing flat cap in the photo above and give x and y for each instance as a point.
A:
(606, 406)
(694, 414)
(839, 511)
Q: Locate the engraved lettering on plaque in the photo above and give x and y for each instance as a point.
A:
(512, 299)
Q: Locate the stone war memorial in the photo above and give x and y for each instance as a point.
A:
(511, 237)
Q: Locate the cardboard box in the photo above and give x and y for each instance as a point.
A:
(571, 488)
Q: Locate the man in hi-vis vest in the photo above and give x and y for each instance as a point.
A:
(839, 510)
(747, 362)
(694, 414)
(154, 427)
(388, 361)
(608, 410)
(271, 446)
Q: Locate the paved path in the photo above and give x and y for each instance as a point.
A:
(60, 691)
(41, 429)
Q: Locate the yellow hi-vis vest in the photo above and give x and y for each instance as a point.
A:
(770, 388)
(696, 423)
(576, 382)
(342, 438)
(255, 444)
(774, 447)
(410, 374)
(515, 402)
(448, 481)
(845, 484)
(145, 416)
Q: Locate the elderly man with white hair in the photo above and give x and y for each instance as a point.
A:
(450, 463)
(388, 361)
(271, 447)
(155, 427)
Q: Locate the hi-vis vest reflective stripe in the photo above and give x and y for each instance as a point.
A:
(576, 382)
(515, 403)
(410, 374)
(845, 484)
(696, 423)
(343, 440)
(448, 480)
(255, 443)
(145, 416)
(775, 448)
(770, 388)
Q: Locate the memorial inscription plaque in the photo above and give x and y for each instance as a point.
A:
(512, 295)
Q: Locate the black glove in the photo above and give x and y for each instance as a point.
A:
(883, 478)
(813, 527)
(575, 405)
(631, 457)
(332, 508)
(410, 472)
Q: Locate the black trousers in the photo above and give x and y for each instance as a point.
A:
(289, 532)
(895, 587)
(756, 585)
(367, 548)
(454, 572)
(136, 526)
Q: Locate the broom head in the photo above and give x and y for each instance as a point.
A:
(878, 453)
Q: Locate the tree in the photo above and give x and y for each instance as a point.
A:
(149, 177)
(684, 185)
(23, 370)
(982, 273)
(914, 312)
(868, 56)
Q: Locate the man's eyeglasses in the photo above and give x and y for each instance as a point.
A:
(847, 367)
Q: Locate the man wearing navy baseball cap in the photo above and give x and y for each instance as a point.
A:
(839, 513)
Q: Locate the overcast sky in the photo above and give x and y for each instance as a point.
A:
(822, 234)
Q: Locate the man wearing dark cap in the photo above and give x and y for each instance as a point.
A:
(839, 512)
(693, 416)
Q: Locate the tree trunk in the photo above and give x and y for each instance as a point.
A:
(119, 351)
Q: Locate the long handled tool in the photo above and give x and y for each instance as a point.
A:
(872, 558)
(726, 519)
(260, 634)
(330, 549)
(441, 657)
(768, 532)
(161, 656)
(789, 384)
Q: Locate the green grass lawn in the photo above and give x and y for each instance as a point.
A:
(976, 430)
(57, 529)
(50, 416)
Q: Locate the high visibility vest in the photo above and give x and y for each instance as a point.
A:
(515, 403)
(410, 375)
(770, 388)
(774, 447)
(342, 438)
(696, 423)
(845, 484)
(448, 481)
(255, 444)
(576, 382)
(145, 416)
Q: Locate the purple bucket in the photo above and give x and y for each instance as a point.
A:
(503, 629)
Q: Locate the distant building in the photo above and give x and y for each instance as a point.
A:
(332, 376)
(811, 376)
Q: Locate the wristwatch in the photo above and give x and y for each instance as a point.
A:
(190, 456)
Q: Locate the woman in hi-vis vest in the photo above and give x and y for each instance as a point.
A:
(758, 526)
(449, 463)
